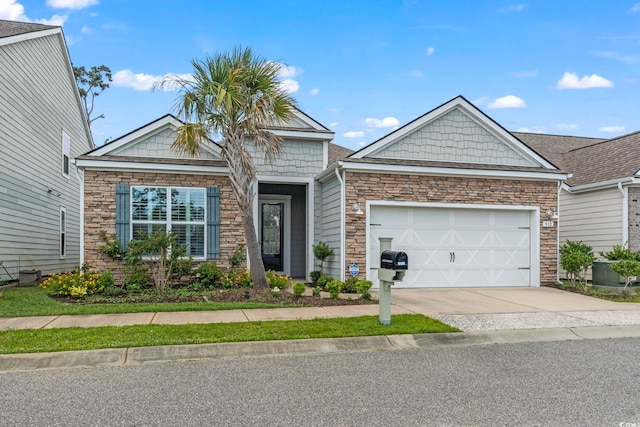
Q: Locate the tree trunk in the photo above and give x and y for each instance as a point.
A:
(253, 247)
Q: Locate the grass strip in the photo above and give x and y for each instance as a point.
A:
(70, 339)
(33, 301)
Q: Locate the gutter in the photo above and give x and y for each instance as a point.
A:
(340, 175)
(81, 182)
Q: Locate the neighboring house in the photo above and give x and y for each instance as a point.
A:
(42, 128)
(600, 202)
(465, 198)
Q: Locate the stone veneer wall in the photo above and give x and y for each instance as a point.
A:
(361, 187)
(100, 211)
(634, 219)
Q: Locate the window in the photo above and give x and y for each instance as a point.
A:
(180, 210)
(63, 232)
(66, 153)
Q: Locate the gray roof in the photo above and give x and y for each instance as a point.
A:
(13, 28)
(589, 160)
(338, 152)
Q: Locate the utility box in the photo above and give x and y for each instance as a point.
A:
(29, 277)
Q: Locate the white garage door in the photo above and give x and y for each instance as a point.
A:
(454, 247)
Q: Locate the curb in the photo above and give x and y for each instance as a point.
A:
(181, 353)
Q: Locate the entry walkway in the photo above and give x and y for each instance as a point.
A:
(469, 309)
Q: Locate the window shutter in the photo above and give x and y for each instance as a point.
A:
(123, 205)
(213, 222)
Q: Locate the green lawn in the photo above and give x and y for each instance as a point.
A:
(65, 339)
(33, 301)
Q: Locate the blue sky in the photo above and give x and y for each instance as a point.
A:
(363, 68)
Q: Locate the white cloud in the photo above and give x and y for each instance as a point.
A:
(85, 30)
(513, 8)
(387, 122)
(362, 143)
(71, 4)
(571, 81)
(526, 73)
(635, 8)
(286, 72)
(314, 91)
(416, 73)
(290, 85)
(567, 126)
(353, 134)
(616, 56)
(611, 129)
(334, 124)
(11, 10)
(140, 81)
(509, 101)
(532, 129)
(430, 51)
(482, 100)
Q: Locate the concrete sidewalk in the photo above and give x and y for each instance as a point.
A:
(486, 315)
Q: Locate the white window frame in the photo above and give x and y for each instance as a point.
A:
(62, 247)
(66, 155)
(168, 222)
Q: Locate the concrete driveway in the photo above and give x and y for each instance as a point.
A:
(514, 308)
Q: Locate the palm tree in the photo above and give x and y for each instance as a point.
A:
(235, 95)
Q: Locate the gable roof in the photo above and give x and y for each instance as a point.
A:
(554, 147)
(14, 28)
(470, 113)
(302, 126)
(338, 152)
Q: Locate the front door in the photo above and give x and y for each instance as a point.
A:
(274, 232)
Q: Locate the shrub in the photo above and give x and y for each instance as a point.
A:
(619, 253)
(321, 251)
(315, 291)
(106, 280)
(350, 285)
(629, 269)
(575, 259)
(238, 258)
(323, 280)
(278, 280)
(235, 279)
(137, 278)
(334, 287)
(362, 287)
(315, 275)
(111, 247)
(208, 275)
(77, 284)
(298, 289)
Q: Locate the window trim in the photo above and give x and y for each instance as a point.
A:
(62, 236)
(66, 155)
(168, 222)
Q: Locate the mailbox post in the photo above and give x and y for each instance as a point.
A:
(393, 266)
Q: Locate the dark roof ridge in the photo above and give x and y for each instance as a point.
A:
(554, 134)
(606, 141)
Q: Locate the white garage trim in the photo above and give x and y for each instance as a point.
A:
(534, 220)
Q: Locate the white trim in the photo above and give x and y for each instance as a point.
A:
(66, 152)
(106, 165)
(601, 185)
(534, 222)
(286, 238)
(624, 192)
(340, 175)
(473, 113)
(30, 35)
(325, 154)
(461, 172)
(308, 120)
(81, 183)
(301, 134)
(146, 131)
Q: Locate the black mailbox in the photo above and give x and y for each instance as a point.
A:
(394, 260)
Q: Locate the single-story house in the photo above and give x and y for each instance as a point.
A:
(470, 203)
(600, 202)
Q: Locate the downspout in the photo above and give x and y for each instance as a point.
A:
(558, 234)
(81, 182)
(625, 213)
(342, 220)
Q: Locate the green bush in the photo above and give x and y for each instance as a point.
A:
(323, 280)
(78, 283)
(315, 291)
(235, 279)
(315, 275)
(208, 275)
(298, 289)
(628, 268)
(575, 259)
(362, 287)
(321, 251)
(349, 286)
(137, 278)
(619, 253)
(238, 258)
(334, 287)
(278, 280)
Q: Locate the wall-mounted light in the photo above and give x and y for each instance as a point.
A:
(356, 209)
(52, 191)
(551, 214)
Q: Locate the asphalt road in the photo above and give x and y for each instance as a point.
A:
(570, 383)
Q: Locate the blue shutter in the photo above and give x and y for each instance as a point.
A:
(213, 222)
(123, 206)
